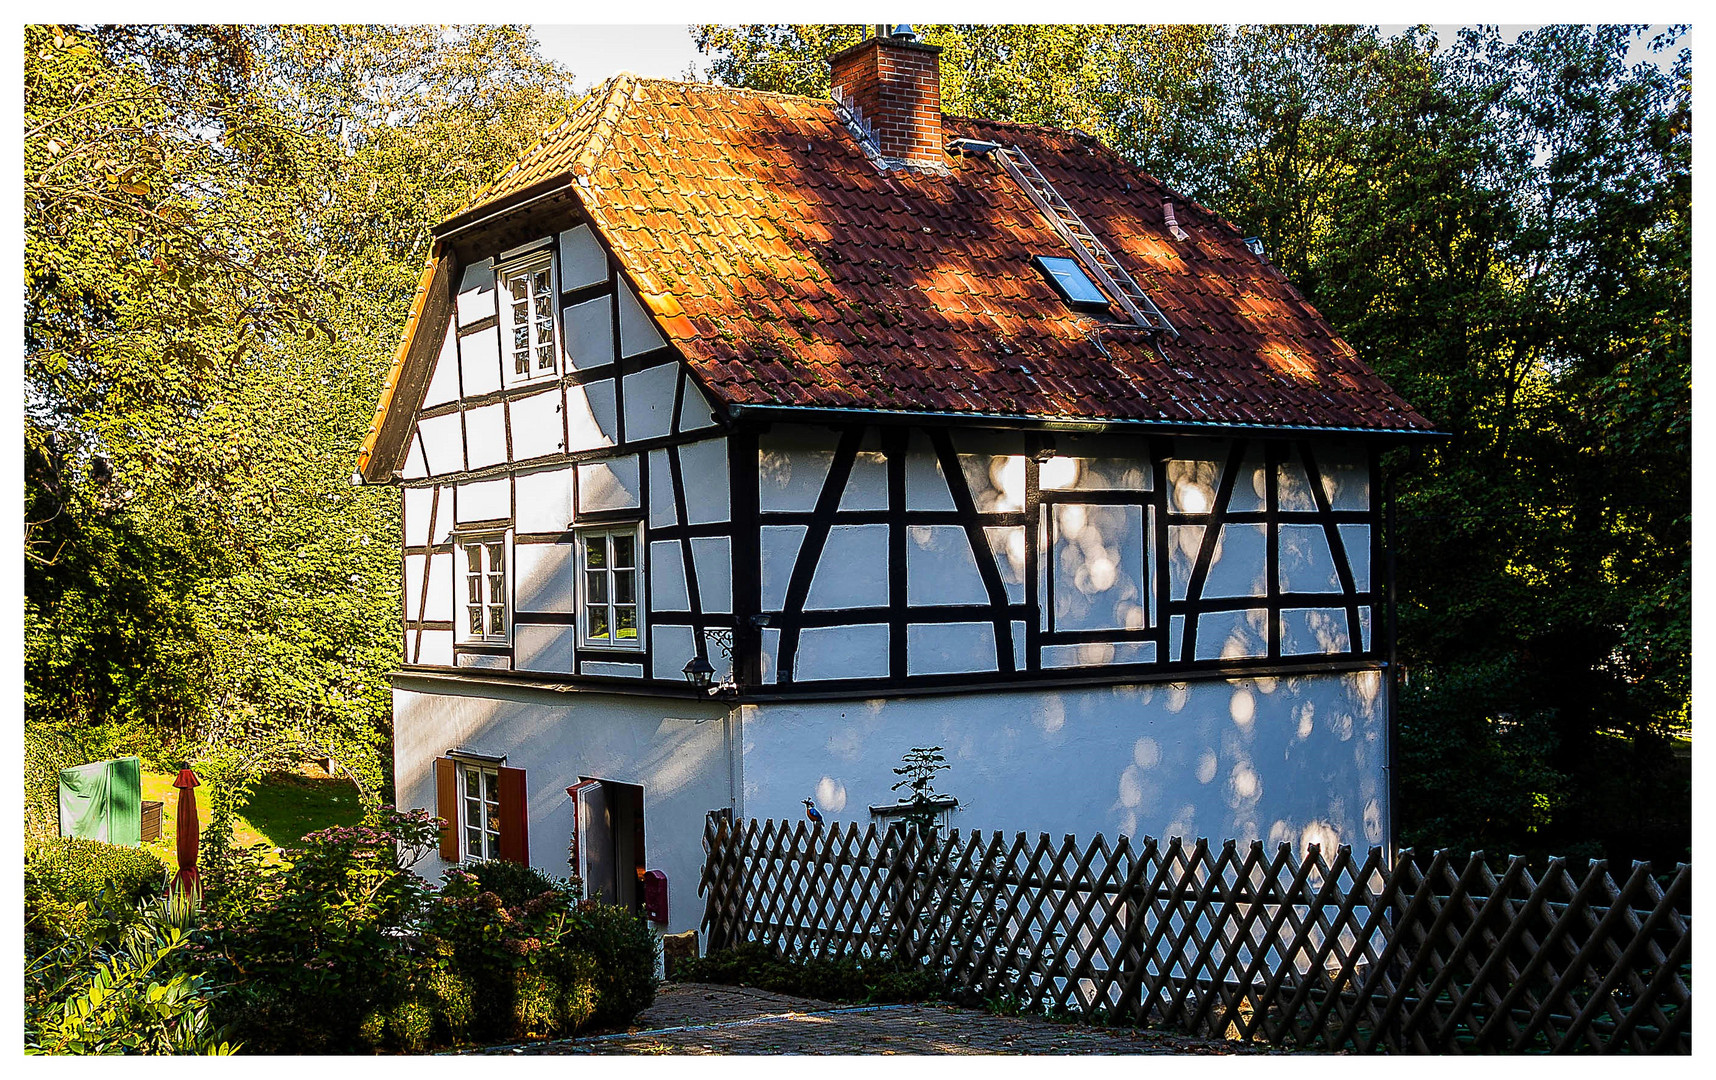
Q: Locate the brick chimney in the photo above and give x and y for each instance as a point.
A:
(892, 86)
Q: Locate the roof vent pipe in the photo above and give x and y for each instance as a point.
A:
(1173, 225)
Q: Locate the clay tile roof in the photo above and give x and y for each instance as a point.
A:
(789, 271)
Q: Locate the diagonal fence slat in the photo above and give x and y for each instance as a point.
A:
(1402, 956)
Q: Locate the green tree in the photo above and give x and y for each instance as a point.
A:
(223, 226)
(1502, 229)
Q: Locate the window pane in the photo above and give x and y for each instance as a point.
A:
(623, 550)
(545, 356)
(474, 589)
(473, 843)
(497, 558)
(596, 622)
(497, 621)
(473, 787)
(595, 552)
(625, 591)
(544, 307)
(497, 589)
(473, 557)
(521, 337)
(477, 619)
(595, 587)
(539, 281)
(521, 364)
(520, 312)
(626, 619)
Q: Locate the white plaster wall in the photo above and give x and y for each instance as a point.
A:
(444, 383)
(485, 436)
(703, 468)
(582, 261)
(778, 545)
(867, 487)
(536, 647)
(436, 648)
(416, 465)
(637, 327)
(543, 576)
(842, 652)
(609, 485)
(589, 333)
(485, 500)
(792, 464)
(1294, 760)
(940, 568)
(682, 765)
(443, 443)
(1307, 564)
(853, 569)
(950, 648)
(926, 487)
(590, 416)
(479, 361)
(544, 500)
(695, 411)
(476, 300)
(671, 648)
(649, 401)
(1238, 565)
(536, 426)
(667, 589)
(713, 556)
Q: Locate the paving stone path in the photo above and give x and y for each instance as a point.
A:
(698, 1018)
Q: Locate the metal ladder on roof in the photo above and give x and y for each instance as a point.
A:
(1097, 259)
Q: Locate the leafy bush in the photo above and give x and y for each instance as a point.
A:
(623, 949)
(76, 870)
(88, 996)
(517, 884)
(324, 944)
(836, 978)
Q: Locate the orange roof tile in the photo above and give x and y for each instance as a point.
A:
(789, 271)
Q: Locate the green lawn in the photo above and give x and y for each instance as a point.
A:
(282, 809)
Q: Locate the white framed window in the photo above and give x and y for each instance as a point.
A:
(484, 612)
(610, 611)
(527, 317)
(479, 812)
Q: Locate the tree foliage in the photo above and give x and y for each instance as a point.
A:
(222, 225)
(1502, 229)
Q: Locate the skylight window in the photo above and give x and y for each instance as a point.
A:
(1070, 281)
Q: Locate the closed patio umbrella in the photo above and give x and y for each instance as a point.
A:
(189, 834)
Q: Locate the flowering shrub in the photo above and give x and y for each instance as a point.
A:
(340, 949)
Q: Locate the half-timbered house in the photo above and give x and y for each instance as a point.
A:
(892, 429)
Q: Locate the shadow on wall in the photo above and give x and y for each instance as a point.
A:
(1296, 760)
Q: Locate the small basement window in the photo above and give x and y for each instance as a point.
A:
(1070, 280)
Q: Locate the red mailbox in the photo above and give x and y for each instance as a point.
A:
(655, 896)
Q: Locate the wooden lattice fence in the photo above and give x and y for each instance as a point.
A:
(1301, 951)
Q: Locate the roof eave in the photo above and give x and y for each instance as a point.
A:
(809, 414)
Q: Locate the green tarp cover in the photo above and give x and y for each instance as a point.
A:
(103, 801)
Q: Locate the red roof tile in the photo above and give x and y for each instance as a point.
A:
(798, 274)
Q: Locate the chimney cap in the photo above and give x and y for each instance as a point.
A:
(905, 32)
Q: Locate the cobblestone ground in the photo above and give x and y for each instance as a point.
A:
(696, 1018)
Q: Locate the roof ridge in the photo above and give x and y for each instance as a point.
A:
(592, 100)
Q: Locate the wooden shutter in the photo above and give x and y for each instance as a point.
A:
(514, 823)
(447, 807)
